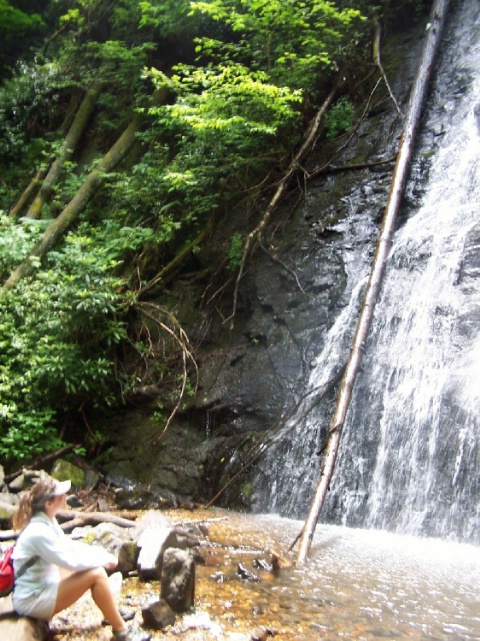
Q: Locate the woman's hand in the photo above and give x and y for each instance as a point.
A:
(112, 563)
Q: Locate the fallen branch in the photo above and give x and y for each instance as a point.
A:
(333, 169)
(70, 519)
(180, 337)
(73, 518)
(378, 62)
(175, 262)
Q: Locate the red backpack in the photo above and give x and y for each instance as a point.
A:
(7, 575)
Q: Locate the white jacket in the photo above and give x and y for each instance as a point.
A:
(44, 538)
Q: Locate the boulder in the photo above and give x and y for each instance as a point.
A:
(66, 471)
(16, 628)
(8, 505)
(115, 539)
(153, 542)
(158, 615)
(178, 580)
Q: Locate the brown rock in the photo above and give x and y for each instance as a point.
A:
(158, 615)
(15, 628)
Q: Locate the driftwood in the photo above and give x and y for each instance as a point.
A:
(414, 110)
(73, 518)
(70, 519)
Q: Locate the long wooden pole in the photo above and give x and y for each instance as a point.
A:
(414, 111)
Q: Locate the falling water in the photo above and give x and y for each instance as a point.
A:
(410, 450)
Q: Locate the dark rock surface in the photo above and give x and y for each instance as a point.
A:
(252, 375)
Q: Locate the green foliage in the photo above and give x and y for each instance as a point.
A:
(166, 17)
(293, 41)
(16, 25)
(225, 125)
(27, 107)
(339, 117)
(58, 335)
(235, 252)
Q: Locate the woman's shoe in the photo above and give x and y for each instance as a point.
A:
(127, 614)
(131, 634)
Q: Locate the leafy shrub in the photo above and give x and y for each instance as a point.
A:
(58, 335)
(339, 118)
(235, 252)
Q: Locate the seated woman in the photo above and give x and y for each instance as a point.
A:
(42, 591)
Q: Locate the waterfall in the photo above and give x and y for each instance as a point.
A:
(410, 456)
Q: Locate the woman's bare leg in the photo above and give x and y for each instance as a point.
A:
(74, 585)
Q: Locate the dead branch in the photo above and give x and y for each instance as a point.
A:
(378, 62)
(326, 166)
(182, 340)
(282, 185)
(70, 519)
(285, 267)
(358, 166)
(176, 261)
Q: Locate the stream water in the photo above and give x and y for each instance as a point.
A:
(358, 585)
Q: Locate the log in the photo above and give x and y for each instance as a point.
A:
(70, 519)
(28, 191)
(17, 208)
(73, 518)
(414, 111)
(66, 151)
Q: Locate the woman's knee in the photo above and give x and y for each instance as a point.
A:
(72, 587)
(99, 574)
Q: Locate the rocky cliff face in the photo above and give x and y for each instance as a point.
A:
(253, 376)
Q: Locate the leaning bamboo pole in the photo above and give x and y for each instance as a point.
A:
(414, 111)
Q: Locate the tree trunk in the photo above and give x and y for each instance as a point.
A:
(28, 191)
(414, 110)
(17, 209)
(65, 153)
(91, 184)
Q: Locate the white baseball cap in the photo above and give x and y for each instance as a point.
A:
(61, 487)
